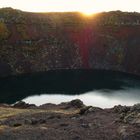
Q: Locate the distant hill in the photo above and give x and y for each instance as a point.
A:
(32, 42)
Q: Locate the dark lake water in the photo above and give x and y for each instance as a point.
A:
(94, 87)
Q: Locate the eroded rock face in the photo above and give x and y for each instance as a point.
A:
(42, 42)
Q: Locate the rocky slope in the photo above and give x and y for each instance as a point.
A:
(31, 42)
(69, 121)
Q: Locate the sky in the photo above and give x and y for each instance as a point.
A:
(87, 6)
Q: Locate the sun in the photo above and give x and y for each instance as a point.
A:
(88, 12)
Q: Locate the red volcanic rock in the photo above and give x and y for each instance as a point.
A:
(47, 41)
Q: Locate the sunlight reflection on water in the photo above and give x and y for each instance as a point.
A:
(99, 98)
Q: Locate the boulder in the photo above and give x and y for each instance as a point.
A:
(76, 103)
(135, 108)
(22, 104)
(89, 109)
(121, 109)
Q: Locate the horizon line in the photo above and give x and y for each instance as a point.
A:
(105, 11)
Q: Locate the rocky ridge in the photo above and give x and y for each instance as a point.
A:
(72, 120)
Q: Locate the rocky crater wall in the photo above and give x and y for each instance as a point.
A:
(32, 42)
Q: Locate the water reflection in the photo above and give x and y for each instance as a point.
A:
(98, 98)
(95, 87)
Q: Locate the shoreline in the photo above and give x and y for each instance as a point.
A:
(71, 121)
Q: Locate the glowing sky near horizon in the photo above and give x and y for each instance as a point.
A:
(89, 6)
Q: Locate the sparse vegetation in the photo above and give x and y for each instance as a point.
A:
(4, 32)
